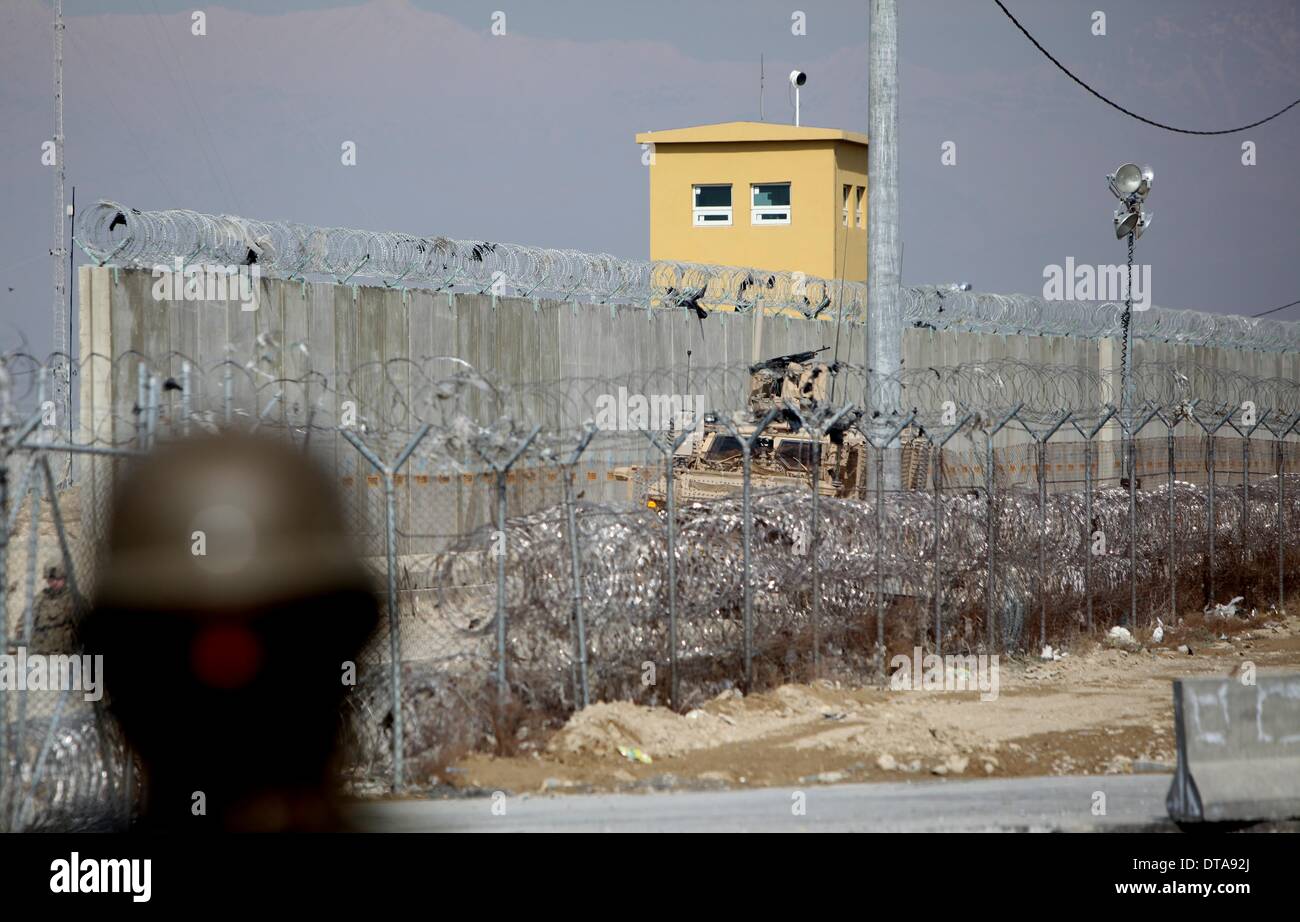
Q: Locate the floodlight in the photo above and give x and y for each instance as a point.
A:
(1148, 177)
(1126, 222)
(1125, 180)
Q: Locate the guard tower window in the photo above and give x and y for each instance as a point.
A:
(848, 198)
(862, 206)
(712, 205)
(771, 203)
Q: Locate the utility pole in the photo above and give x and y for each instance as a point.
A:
(884, 339)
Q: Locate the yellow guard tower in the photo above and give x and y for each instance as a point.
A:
(760, 194)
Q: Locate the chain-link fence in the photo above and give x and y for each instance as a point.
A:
(660, 537)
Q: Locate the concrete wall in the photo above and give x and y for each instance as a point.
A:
(366, 336)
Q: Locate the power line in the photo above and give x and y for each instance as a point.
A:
(1116, 105)
(1275, 310)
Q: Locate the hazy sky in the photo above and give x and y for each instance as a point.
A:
(528, 137)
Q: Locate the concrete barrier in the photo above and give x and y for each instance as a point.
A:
(1238, 749)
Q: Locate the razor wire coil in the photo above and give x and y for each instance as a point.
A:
(113, 233)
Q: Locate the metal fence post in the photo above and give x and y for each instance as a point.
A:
(747, 558)
(747, 444)
(937, 590)
(1210, 516)
(580, 638)
(888, 438)
(671, 539)
(817, 427)
(502, 470)
(1132, 510)
(1173, 538)
(1244, 542)
(1245, 490)
(1088, 460)
(1210, 464)
(668, 448)
(1040, 444)
(880, 550)
(1041, 587)
(390, 557)
(1212, 520)
(990, 487)
(500, 550)
(575, 562)
(1278, 447)
(1087, 526)
(813, 550)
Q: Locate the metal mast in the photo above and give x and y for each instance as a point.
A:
(58, 254)
(884, 251)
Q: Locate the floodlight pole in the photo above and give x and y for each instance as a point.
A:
(1131, 185)
(1126, 359)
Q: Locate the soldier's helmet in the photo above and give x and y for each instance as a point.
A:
(228, 602)
(223, 523)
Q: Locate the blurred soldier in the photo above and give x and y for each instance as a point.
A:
(229, 608)
(54, 629)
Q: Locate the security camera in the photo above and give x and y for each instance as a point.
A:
(797, 79)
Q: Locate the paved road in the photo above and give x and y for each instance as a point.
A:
(1011, 804)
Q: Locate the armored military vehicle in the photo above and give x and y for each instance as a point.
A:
(711, 465)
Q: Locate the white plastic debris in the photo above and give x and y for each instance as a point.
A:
(1224, 611)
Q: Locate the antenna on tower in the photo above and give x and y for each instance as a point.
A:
(760, 88)
(62, 312)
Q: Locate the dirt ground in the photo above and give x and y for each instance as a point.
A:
(1094, 711)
